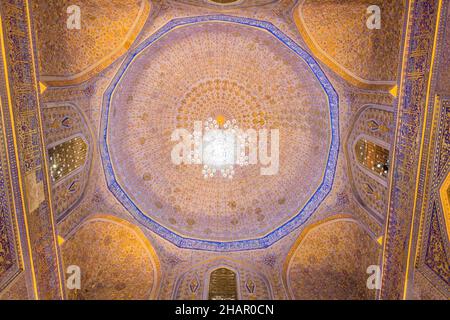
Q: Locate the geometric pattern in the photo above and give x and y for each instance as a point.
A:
(436, 256)
(303, 214)
(406, 189)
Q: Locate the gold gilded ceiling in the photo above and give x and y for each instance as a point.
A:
(70, 55)
(227, 4)
(336, 31)
(205, 71)
(121, 90)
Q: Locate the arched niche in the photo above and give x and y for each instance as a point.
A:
(194, 283)
(330, 260)
(115, 259)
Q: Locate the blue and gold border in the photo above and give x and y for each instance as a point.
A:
(250, 244)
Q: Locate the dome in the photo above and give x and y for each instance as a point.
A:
(228, 74)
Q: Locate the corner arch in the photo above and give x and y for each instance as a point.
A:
(338, 269)
(114, 253)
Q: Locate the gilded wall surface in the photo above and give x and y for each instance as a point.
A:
(9, 255)
(108, 28)
(330, 261)
(336, 32)
(116, 261)
(29, 171)
(443, 78)
(432, 260)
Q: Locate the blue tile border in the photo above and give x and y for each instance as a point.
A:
(250, 244)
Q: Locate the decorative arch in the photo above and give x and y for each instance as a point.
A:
(64, 123)
(212, 245)
(328, 260)
(102, 245)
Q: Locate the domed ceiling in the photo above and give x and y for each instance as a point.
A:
(229, 71)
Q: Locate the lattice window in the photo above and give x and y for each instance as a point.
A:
(223, 285)
(66, 157)
(373, 157)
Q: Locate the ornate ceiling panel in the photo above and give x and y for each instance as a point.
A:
(116, 261)
(336, 32)
(195, 282)
(236, 71)
(63, 123)
(108, 28)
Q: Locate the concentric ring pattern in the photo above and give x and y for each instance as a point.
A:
(227, 68)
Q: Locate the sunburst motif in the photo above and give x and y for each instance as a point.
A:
(223, 147)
